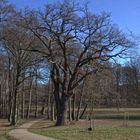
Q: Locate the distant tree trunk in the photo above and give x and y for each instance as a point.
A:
(23, 105)
(70, 115)
(73, 106)
(10, 106)
(52, 111)
(43, 107)
(36, 101)
(10, 84)
(49, 99)
(22, 97)
(14, 109)
(30, 99)
(15, 92)
(80, 101)
(84, 110)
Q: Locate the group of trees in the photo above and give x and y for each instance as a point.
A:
(60, 56)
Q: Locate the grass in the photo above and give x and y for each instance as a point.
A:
(103, 130)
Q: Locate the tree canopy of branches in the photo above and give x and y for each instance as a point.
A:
(74, 41)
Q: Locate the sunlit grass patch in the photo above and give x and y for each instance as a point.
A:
(103, 131)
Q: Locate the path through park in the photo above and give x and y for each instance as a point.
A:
(22, 133)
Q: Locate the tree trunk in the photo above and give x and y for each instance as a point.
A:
(70, 117)
(43, 107)
(30, 99)
(10, 103)
(49, 99)
(36, 102)
(23, 105)
(80, 102)
(84, 110)
(14, 109)
(15, 92)
(52, 112)
(73, 106)
(62, 113)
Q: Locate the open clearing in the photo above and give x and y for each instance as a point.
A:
(104, 129)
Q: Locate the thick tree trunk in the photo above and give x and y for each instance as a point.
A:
(62, 113)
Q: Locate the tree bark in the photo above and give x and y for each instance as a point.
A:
(70, 117)
(73, 106)
(30, 99)
(49, 99)
(62, 113)
(36, 100)
(15, 92)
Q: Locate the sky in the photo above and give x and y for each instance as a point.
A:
(124, 13)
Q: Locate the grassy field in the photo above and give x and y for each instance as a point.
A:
(104, 129)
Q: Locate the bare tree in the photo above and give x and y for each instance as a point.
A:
(74, 44)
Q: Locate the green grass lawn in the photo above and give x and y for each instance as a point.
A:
(103, 130)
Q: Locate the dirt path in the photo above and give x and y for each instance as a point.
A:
(21, 133)
(3, 124)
